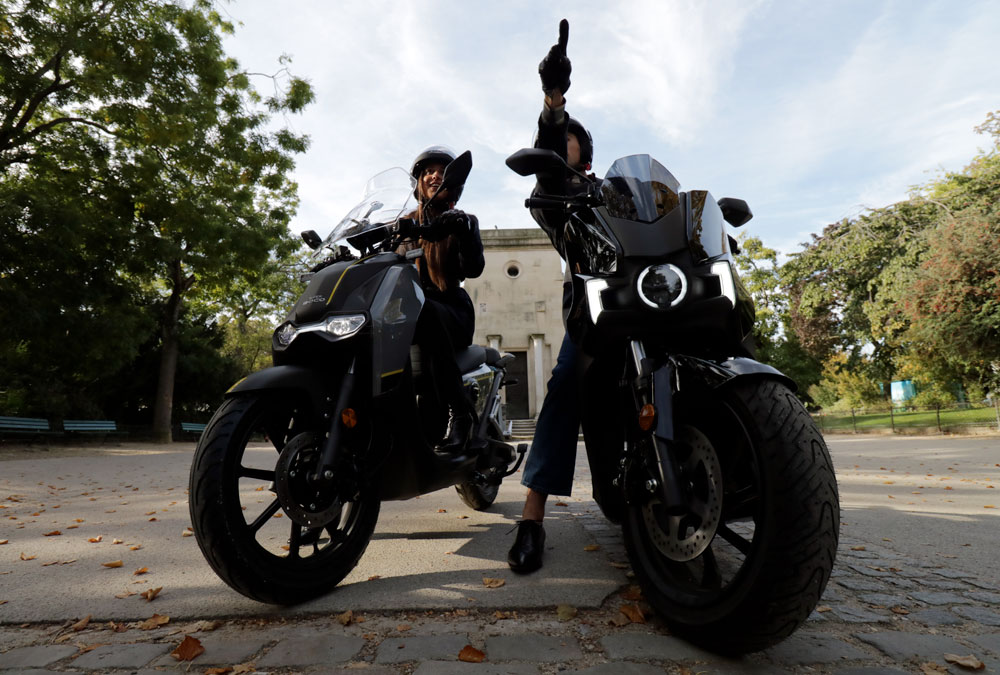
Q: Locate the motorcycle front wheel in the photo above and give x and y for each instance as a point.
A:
(747, 564)
(238, 518)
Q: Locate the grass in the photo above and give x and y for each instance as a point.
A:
(919, 419)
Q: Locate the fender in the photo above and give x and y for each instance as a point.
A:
(718, 373)
(287, 377)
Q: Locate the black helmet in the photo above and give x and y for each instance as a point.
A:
(584, 138)
(436, 153)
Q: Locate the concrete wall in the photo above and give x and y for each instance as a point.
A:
(518, 302)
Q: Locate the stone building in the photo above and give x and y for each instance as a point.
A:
(518, 302)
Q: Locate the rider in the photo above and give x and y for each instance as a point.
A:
(549, 467)
(453, 251)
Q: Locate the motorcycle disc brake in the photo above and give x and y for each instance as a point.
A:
(306, 502)
(686, 536)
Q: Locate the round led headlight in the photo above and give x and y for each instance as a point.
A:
(287, 334)
(662, 286)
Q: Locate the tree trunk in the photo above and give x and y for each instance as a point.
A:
(169, 349)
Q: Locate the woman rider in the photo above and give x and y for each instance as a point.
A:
(453, 252)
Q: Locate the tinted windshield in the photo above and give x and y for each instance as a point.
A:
(640, 188)
(388, 196)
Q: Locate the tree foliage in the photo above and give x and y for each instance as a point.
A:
(131, 143)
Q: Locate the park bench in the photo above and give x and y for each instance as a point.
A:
(103, 427)
(24, 426)
(192, 428)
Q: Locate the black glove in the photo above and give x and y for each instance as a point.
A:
(555, 67)
(454, 221)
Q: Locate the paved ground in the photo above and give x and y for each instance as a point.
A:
(916, 579)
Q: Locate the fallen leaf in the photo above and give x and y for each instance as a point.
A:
(989, 506)
(218, 671)
(633, 593)
(4, 602)
(493, 583)
(858, 548)
(151, 593)
(150, 513)
(78, 520)
(96, 540)
(824, 608)
(113, 563)
(345, 618)
(141, 570)
(154, 621)
(135, 548)
(188, 649)
(592, 547)
(470, 654)
(561, 504)
(970, 661)
(566, 612)
(244, 668)
(633, 613)
(53, 533)
(205, 626)
(3, 541)
(462, 517)
(126, 593)
(27, 557)
(947, 487)
(117, 627)
(117, 541)
(932, 668)
(403, 627)
(888, 482)
(902, 611)
(153, 520)
(500, 616)
(81, 624)
(374, 577)
(442, 510)
(88, 648)
(187, 533)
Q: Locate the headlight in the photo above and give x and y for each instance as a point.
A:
(594, 288)
(724, 271)
(337, 326)
(662, 286)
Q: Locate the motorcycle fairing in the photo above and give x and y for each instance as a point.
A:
(342, 287)
(289, 377)
(394, 313)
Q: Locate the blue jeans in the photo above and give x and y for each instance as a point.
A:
(552, 458)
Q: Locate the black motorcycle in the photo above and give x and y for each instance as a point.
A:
(721, 481)
(289, 474)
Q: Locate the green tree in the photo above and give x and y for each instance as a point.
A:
(187, 137)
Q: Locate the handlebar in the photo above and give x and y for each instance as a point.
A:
(563, 202)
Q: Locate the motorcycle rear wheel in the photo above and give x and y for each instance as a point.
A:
(750, 571)
(476, 496)
(237, 517)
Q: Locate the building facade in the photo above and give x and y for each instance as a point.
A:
(518, 301)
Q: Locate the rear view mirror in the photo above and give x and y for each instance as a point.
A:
(457, 171)
(531, 161)
(735, 211)
(312, 239)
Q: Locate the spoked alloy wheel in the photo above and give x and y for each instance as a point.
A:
(263, 526)
(748, 562)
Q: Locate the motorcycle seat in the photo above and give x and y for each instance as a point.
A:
(471, 357)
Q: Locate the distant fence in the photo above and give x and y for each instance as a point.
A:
(967, 418)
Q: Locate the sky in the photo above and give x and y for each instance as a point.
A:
(810, 111)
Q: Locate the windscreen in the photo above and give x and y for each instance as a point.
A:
(388, 196)
(639, 188)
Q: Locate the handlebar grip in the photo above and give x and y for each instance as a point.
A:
(545, 203)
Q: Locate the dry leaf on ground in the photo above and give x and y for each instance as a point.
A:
(81, 624)
(633, 593)
(561, 504)
(113, 563)
(470, 654)
(902, 611)
(566, 612)
(3, 541)
(88, 648)
(96, 540)
(493, 583)
(135, 548)
(592, 547)
(117, 541)
(187, 533)
(970, 661)
(244, 668)
(345, 618)
(27, 557)
(141, 570)
(126, 593)
(857, 548)
(205, 626)
(823, 608)
(619, 620)
(151, 593)
(218, 671)
(154, 621)
(442, 510)
(633, 613)
(403, 627)
(188, 649)
(53, 533)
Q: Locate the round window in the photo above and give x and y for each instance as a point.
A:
(513, 269)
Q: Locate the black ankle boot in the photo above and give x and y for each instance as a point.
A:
(525, 556)
(457, 435)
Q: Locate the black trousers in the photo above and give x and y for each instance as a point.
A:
(446, 324)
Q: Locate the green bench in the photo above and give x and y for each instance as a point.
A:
(104, 427)
(192, 428)
(24, 426)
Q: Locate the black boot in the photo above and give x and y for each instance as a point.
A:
(457, 435)
(525, 556)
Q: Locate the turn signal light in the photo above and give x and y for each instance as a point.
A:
(349, 418)
(647, 417)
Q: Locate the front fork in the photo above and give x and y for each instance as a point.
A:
(653, 385)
